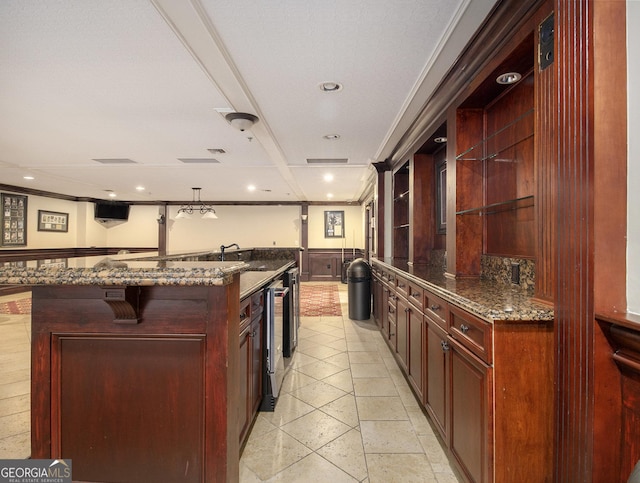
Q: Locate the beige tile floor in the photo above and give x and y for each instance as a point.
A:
(15, 380)
(346, 413)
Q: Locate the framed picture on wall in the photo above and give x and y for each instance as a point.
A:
(53, 221)
(334, 224)
(13, 220)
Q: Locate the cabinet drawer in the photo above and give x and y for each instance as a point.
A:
(257, 304)
(436, 308)
(471, 332)
(245, 312)
(415, 296)
(402, 286)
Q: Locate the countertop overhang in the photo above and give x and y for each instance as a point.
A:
(140, 270)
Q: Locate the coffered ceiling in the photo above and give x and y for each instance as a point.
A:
(103, 97)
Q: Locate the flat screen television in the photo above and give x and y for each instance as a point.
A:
(105, 211)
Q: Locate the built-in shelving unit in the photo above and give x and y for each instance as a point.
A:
(401, 221)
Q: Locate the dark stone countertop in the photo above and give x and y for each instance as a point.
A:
(488, 300)
(152, 269)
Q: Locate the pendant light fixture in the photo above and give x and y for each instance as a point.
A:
(206, 211)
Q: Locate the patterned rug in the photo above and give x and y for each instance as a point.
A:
(17, 307)
(317, 300)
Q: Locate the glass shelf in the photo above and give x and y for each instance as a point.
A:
(502, 140)
(508, 205)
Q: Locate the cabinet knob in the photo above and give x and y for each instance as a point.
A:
(464, 328)
(407, 310)
(445, 345)
(435, 307)
(252, 334)
(415, 295)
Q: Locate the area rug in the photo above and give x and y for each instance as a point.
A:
(318, 300)
(16, 307)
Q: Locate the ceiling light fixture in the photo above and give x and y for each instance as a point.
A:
(509, 78)
(241, 120)
(29, 177)
(330, 86)
(331, 137)
(328, 177)
(206, 211)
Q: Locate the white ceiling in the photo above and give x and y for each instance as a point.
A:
(141, 80)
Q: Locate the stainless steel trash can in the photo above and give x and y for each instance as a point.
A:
(359, 289)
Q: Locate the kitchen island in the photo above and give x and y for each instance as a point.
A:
(135, 365)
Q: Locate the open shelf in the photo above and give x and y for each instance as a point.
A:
(508, 205)
(501, 140)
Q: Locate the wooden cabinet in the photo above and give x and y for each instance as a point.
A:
(251, 361)
(402, 328)
(151, 398)
(436, 392)
(471, 400)
(487, 387)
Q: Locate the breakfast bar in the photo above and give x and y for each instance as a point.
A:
(135, 364)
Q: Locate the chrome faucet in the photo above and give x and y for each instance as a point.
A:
(223, 248)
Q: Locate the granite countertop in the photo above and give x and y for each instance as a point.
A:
(491, 301)
(134, 269)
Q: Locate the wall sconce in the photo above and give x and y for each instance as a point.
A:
(304, 218)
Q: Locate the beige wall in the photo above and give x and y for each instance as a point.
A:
(249, 226)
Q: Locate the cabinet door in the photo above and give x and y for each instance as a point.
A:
(402, 316)
(416, 350)
(436, 393)
(255, 378)
(470, 414)
(244, 365)
(384, 312)
(377, 301)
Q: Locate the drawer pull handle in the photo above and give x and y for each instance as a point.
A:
(464, 328)
(252, 334)
(415, 295)
(407, 310)
(401, 285)
(435, 307)
(445, 345)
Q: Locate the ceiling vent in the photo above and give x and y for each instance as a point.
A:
(327, 160)
(115, 161)
(199, 160)
(216, 151)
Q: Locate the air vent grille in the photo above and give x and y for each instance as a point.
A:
(114, 161)
(199, 160)
(216, 151)
(327, 160)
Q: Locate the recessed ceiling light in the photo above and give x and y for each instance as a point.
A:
(509, 78)
(441, 139)
(28, 177)
(330, 86)
(251, 188)
(139, 188)
(112, 195)
(329, 195)
(331, 137)
(328, 177)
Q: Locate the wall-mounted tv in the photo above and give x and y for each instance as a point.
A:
(110, 210)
